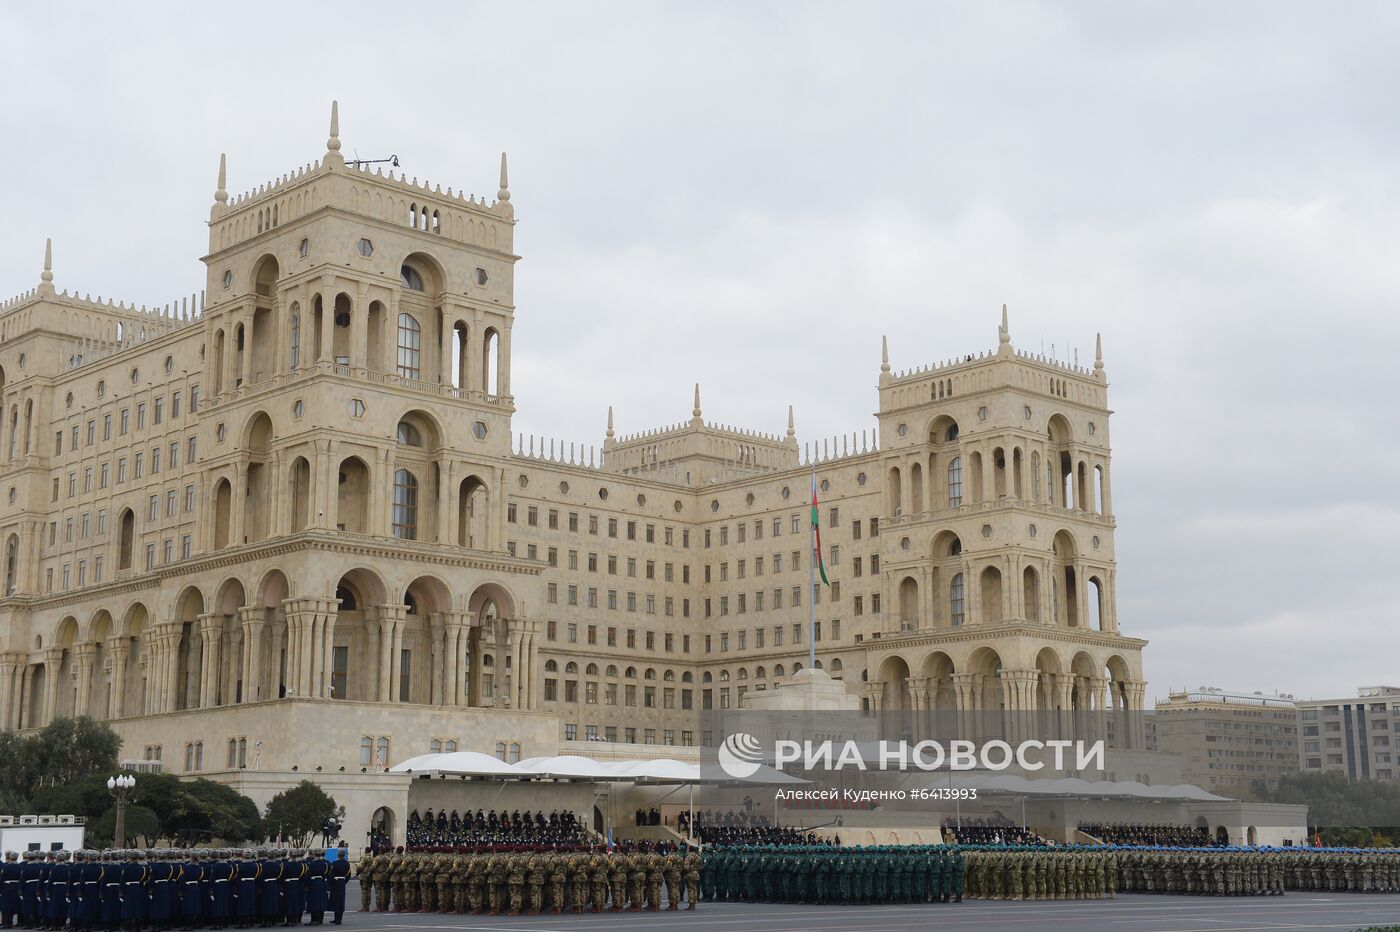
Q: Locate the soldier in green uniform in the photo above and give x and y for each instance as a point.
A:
(364, 872)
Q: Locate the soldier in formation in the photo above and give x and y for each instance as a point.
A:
(169, 888)
(530, 879)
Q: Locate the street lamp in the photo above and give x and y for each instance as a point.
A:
(122, 788)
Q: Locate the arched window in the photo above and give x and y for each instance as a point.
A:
(126, 539)
(381, 753)
(410, 345)
(295, 353)
(450, 747)
(957, 601)
(11, 565)
(500, 750)
(366, 751)
(408, 435)
(232, 753)
(955, 482)
(514, 754)
(435, 746)
(405, 505)
(410, 278)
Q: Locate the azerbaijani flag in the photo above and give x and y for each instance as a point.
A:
(817, 531)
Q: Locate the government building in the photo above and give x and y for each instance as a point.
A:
(286, 528)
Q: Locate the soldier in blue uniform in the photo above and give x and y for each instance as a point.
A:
(293, 893)
(339, 880)
(317, 896)
(9, 889)
(269, 883)
(84, 890)
(133, 889)
(109, 881)
(56, 890)
(192, 893)
(31, 883)
(221, 874)
(245, 889)
(160, 895)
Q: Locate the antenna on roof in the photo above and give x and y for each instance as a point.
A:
(393, 160)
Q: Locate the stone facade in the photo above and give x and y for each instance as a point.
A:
(292, 513)
(1359, 737)
(1228, 741)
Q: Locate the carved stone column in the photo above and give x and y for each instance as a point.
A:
(117, 649)
(391, 621)
(328, 612)
(253, 620)
(209, 665)
(9, 676)
(85, 655)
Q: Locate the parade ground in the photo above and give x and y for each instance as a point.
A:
(1130, 912)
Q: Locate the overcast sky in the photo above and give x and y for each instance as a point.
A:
(747, 195)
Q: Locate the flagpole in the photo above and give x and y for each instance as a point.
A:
(812, 579)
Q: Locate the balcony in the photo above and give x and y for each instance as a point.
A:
(352, 375)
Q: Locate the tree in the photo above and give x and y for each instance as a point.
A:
(1341, 811)
(232, 817)
(141, 823)
(298, 813)
(63, 752)
(191, 811)
(68, 749)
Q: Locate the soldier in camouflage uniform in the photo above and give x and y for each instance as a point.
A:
(532, 887)
(598, 880)
(692, 864)
(672, 866)
(617, 880)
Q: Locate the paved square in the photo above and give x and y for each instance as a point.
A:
(1128, 912)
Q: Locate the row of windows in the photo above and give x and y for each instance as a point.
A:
(760, 639)
(571, 632)
(614, 525)
(166, 554)
(628, 734)
(123, 421)
(103, 471)
(83, 524)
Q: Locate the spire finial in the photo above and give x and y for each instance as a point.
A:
(1098, 352)
(792, 431)
(1005, 332)
(610, 422)
(695, 418)
(333, 141)
(46, 276)
(221, 195)
(504, 193)
(884, 354)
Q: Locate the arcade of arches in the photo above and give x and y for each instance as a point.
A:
(234, 644)
(968, 691)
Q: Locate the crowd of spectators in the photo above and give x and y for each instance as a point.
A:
(443, 829)
(1148, 835)
(990, 831)
(747, 828)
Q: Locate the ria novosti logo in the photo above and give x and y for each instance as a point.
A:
(740, 755)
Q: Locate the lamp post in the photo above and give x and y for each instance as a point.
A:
(122, 788)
